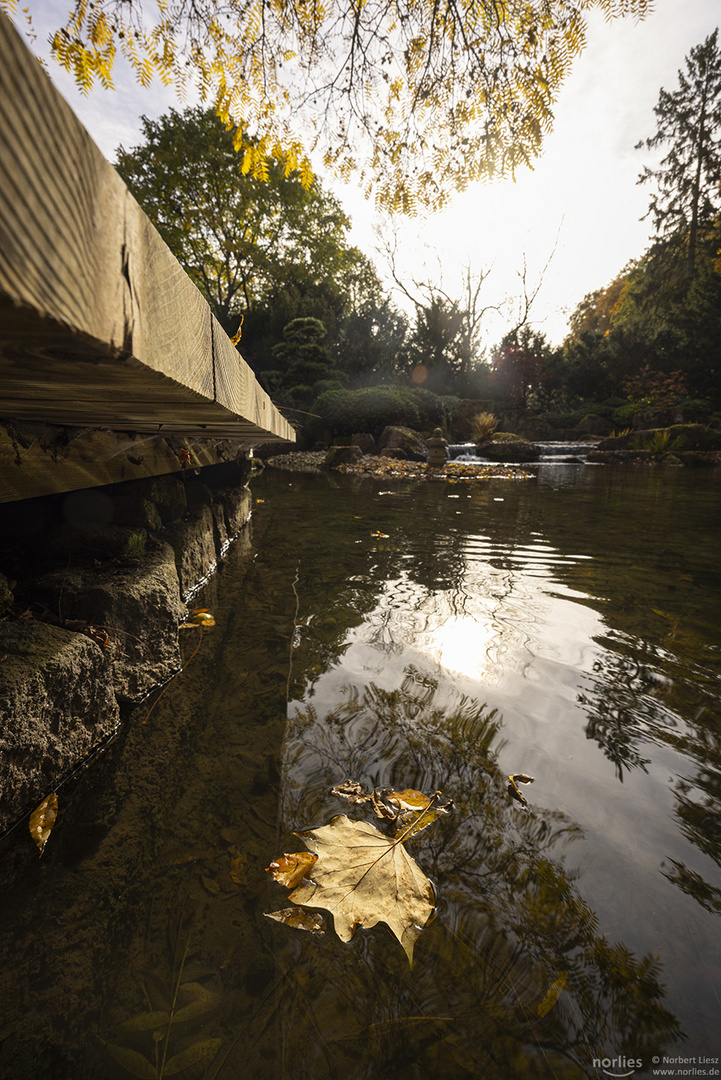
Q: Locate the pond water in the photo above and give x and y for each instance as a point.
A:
(430, 636)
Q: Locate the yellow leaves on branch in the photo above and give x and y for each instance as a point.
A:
(418, 99)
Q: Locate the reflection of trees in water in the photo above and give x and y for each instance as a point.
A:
(511, 920)
(640, 694)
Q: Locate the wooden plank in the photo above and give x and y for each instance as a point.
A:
(99, 325)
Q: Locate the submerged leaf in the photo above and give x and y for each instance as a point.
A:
(130, 1060)
(42, 820)
(196, 1058)
(143, 1024)
(362, 877)
(299, 919)
(290, 870)
(411, 824)
(199, 1005)
(553, 994)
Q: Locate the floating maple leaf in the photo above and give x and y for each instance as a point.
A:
(362, 877)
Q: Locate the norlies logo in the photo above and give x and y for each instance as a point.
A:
(618, 1066)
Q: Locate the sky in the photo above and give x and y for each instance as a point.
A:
(580, 207)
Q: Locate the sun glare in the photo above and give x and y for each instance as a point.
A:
(461, 644)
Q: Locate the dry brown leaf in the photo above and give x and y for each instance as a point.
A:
(362, 877)
(290, 870)
(42, 820)
(409, 799)
(352, 791)
(299, 919)
(380, 808)
(514, 791)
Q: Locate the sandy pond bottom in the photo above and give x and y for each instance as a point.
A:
(425, 636)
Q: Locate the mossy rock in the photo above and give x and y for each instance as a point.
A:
(342, 455)
(679, 437)
(405, 439)
(507, 446)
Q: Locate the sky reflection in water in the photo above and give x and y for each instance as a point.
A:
(591, 641)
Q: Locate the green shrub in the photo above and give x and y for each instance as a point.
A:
(371, 409)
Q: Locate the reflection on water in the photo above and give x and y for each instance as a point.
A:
(434, 637)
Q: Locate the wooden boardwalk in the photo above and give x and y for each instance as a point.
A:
(99, 326)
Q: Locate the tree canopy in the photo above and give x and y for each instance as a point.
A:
(418, 98)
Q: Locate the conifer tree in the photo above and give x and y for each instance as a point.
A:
(688, 179)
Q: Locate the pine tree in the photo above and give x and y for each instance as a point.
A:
(688, 179)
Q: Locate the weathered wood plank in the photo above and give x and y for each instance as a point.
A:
(99, 325)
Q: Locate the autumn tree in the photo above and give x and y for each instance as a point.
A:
(688, 179)
(236, 237)
(417, 98)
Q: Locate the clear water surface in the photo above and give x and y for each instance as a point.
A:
(430, 636)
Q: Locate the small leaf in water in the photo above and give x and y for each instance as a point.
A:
(553, 994)
(290, 869)
(514, 791)
(42, 820)
(299, 919)
(352, 791)
(409, 799)
(380, 809)
(196, 1058)
(130, 1060)
(412, 823)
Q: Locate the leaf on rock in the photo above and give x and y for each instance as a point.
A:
(42, 820)
(553, 994)
(299, 919)
(362, 877)
(199, 617)
(290, 869)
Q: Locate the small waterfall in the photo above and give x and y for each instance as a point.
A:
(465, 454)
(564, 453)
(551, 453)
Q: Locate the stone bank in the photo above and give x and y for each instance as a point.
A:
(93, 586)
